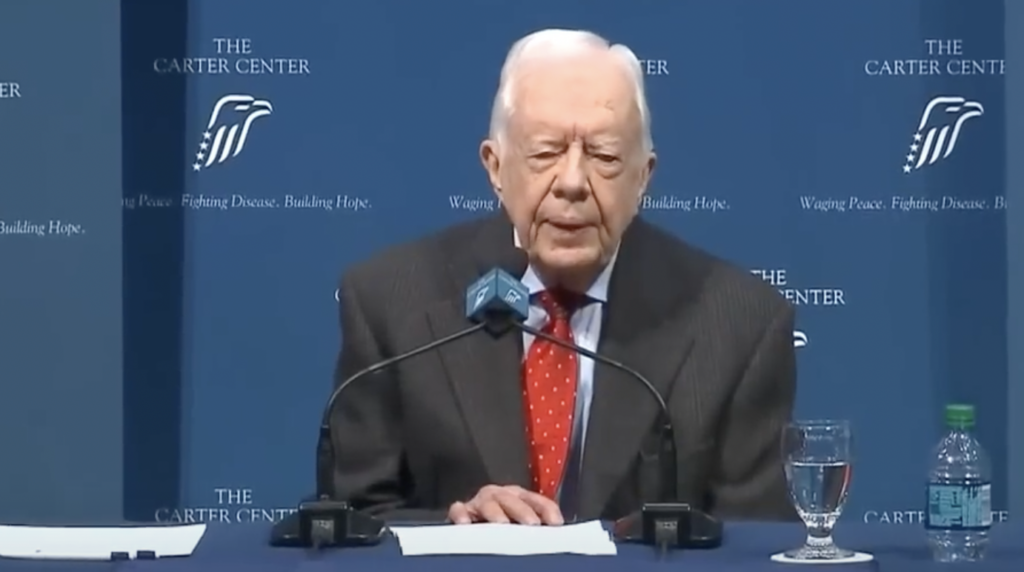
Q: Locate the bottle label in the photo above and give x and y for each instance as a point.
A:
(959, 506)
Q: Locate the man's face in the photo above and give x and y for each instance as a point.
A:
(571, 169)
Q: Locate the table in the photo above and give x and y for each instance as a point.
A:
(242, 548)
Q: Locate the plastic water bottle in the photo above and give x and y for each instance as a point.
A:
(959, 511)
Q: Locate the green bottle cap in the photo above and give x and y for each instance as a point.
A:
(960, 415)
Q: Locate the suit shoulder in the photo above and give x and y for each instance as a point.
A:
(723, 280)
(409, 258)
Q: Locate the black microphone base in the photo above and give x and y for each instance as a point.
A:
(670, 526)
(327, 524)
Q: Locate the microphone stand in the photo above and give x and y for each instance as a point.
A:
(668, 523)
(327, 521)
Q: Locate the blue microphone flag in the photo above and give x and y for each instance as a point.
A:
(497, 292)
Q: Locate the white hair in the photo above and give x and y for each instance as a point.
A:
(554, 43)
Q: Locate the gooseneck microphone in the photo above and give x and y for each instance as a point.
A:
(666, 453)
(325, 445)
(665, 524)
(328, 521)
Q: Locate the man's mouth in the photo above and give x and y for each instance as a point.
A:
(567, 226)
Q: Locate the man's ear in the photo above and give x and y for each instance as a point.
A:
(645, 176)
(490, 157)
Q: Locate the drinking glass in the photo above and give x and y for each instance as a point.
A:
(817, 458)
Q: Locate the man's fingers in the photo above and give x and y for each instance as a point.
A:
(459, 513)
(546, 509)
(517, 509)
(490, 510)
(505, 505)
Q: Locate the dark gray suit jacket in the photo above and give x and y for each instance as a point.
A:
(437, 428)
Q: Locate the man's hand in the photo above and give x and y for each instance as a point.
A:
(509, 504)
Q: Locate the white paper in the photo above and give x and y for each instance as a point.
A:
(588, 539)
(97, 543)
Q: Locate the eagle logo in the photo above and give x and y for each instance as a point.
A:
(799, 339)
(228, 138)
(938, 140)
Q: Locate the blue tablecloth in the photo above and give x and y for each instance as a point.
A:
(747, 547)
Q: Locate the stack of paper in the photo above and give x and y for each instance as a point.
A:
(589, 539)
(99, 543)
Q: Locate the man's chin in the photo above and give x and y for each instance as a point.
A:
(570, 259)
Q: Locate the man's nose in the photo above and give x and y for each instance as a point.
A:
(571, 182)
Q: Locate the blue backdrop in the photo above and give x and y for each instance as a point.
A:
(182, 183)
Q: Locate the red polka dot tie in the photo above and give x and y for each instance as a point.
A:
(549, 393)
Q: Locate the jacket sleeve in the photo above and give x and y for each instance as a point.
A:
(750, 482)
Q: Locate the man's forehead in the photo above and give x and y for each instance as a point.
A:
(584, 89)
(586, 112)
(591, 71)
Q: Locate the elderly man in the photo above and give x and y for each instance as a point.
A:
(512, 429)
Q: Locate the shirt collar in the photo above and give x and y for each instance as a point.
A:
(598, 291)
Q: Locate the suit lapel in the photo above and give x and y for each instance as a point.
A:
(484, 368)
(645, 326)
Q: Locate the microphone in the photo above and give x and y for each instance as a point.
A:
(328, 521)
(665, 524)
(495, 296)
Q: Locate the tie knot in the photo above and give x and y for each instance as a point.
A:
(560, 303)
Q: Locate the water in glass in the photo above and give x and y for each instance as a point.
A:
(817, 458)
